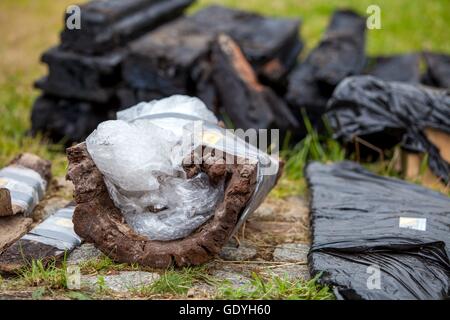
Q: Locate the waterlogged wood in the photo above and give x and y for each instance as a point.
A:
(339, 54)
(271, 45)
(162, 60)
(5, 202)
(106, 25)
(68, 120)
(98, 221)
(247, 102)
(76, 76)
(167, 59)
(12, 229)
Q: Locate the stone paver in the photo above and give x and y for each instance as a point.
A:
(291, 252)
(85, 252)
(121, 282)
(243, 251)
(293, 272)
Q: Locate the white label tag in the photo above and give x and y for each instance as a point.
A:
(413, 223)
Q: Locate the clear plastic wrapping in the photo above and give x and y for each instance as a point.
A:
(141, 162)
(141, 156)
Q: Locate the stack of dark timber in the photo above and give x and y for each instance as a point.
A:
(85, 69)
(139, 50)
(127, 52)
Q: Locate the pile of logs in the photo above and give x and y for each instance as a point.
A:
(139, 50)
(244, 66)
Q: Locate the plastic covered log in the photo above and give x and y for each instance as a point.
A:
(97, 220)
(246, 101)
(387, 113)
(23, 184)
(106, 25)
(375, 237)
(49, 241)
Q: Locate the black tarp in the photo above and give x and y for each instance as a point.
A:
(360, 223)
(386, 113)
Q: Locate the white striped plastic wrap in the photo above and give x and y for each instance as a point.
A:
(26, 187)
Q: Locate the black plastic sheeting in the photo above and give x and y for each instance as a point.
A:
(387, 113)
(357, 228)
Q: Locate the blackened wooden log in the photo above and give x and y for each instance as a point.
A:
(106, 25)
(98, 221)
(48, 241)
(128, 97)
(23, 184)
(164, 59)
(271, 45)
(438, 70)
(340, 53)
(77, 76)
(246, 101)
(304, 93)
(403, 68)
(68, 121)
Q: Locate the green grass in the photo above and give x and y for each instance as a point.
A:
(313, 147)
(105, 264)
(277, 288)
(46, 275)
(175, 282)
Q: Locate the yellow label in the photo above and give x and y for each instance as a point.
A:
(211, 137)
(3, 182)
(64, 223)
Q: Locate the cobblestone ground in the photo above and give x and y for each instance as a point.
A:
(273, 241)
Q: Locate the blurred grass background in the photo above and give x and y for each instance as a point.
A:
(29, 27)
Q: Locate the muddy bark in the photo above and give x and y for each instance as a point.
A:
(97, 220)
(68, 120)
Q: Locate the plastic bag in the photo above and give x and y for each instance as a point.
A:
(141, 156)
(387, 113)
(375, 237)
(141, 161)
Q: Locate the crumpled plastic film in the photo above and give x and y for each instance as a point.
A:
(141, 156)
